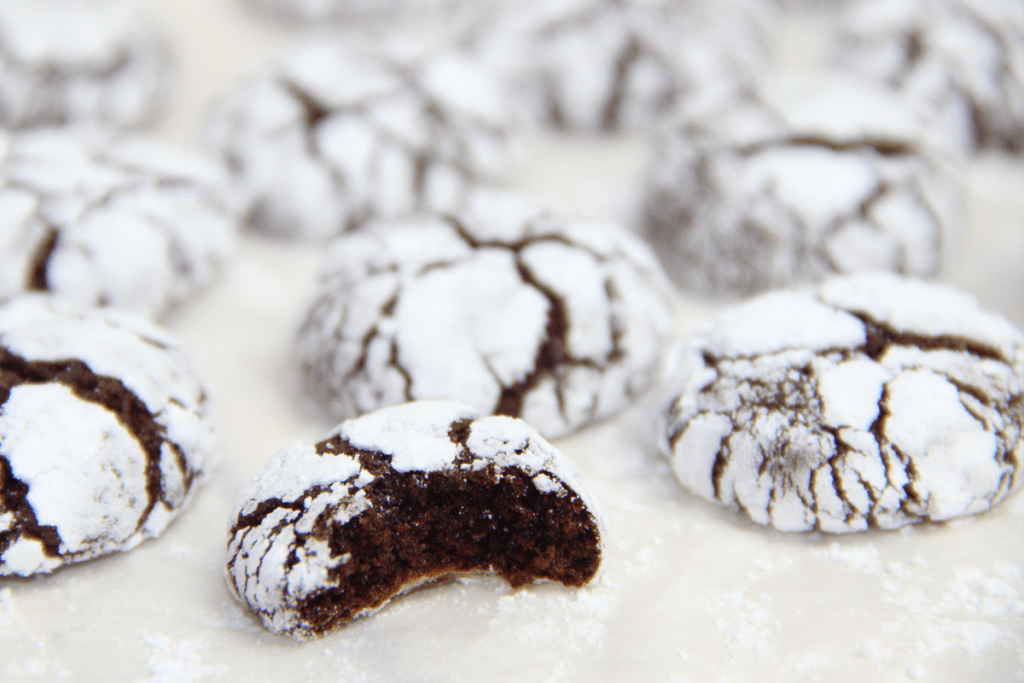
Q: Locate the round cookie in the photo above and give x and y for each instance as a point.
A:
(339, 131)
(400, 497)
(313, 11)
(130, 222)
(612, 65)
(63, 62)
(965, 57)
(105, 434)
(871, 401)
(506, 305)
(808, 176)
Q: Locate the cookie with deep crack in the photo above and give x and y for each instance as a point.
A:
(105, 433)
(871, 401)
(962, 56)
(506, 305)
(400, 497)
(337, 132)
(619, 65)
(126, 221)
(805, 177)
(67, 62)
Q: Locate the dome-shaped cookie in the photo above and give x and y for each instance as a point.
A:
(127, 221)
(871, 401)
(65, 62)
(619, 65)
(964, 57)
(408, 494)
(337, 132)
(105, 433)
(505, 305)
(805, 177)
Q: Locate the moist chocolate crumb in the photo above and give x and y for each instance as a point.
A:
(388, 525)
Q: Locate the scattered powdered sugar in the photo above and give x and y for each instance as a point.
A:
(747, 625)
(178, 661)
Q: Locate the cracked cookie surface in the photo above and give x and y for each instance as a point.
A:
(618, 65)
(506, 306)
(104, 434)
(65, 62)
(962, 57)
(311, 11)
(127, 221)
(871, 401)
(400, 497)
(336, 132)
(807, 177)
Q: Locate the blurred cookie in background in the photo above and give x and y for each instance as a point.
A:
(81, 62)
(618, 65)
(337, 132)
(808, 175)
(964, 57)
(111, 220)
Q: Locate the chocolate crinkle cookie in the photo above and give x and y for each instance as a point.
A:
(95, 62)
(311, 11)
(400, 497)
(505, 305)
(105, 433)
(965, 57)
(612, 65)
(339, 131)
(870, 402)
(127, 221)
(805, 177)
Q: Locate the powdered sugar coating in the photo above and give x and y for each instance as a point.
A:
(610, 65)
(811, 175)
(507, 306)
(104, 434)
(339, 131)
(89, 63)
(128, 221)
(964, 57)
(283, 552)
(908, 407)
(311, 11)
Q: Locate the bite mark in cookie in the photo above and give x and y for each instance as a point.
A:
(400, 497)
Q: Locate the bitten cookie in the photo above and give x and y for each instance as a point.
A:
(506, 305)
(964, 57)
(408, 494)
(872, 401)
(129, 221)
(808, 176)
(339, 132)
(104, 434)
(611, 65)
(88, 63)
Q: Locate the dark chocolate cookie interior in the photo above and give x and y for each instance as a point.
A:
(424, 525)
